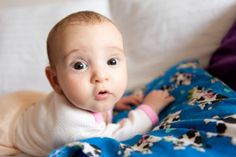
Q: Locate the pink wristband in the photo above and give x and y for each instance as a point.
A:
(150, 113)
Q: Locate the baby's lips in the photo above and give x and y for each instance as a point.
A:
(102, 95)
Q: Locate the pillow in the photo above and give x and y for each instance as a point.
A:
(24, 29)
(223, 61)
(159, 33)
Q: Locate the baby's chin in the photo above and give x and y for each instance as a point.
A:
(101, 109)
(95, 109)
(96, 106)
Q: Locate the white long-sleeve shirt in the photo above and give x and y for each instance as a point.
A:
(53, 122)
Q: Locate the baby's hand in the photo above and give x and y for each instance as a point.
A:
(125, 102)
(158, 99)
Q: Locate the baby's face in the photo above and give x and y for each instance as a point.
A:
(91, 66)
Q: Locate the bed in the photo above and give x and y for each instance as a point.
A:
(187, 48)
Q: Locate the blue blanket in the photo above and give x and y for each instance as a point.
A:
(201, 121)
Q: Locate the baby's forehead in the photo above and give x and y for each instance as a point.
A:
(64, 33)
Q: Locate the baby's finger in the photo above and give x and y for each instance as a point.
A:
(122, 107)
(134, 101)
(139, 98)
(166, 92)
(170, 98)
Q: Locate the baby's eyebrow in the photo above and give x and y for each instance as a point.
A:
(116, 48)
(76, 50)
(71, 52)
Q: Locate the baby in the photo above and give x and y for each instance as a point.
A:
(88, 75)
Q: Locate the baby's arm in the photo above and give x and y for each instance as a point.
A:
(142, 119)
(53, 122)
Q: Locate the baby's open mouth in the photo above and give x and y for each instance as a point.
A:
(102, 95)
(102, 92)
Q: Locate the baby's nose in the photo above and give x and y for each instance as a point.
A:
(99, 76)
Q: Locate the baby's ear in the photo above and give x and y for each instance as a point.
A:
(52, 78)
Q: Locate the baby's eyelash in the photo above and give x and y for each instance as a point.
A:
(113, 61)
(79, 65)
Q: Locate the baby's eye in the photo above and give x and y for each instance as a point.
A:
(79, 65)
(112, 61)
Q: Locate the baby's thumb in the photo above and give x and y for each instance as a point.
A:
(171, 99)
